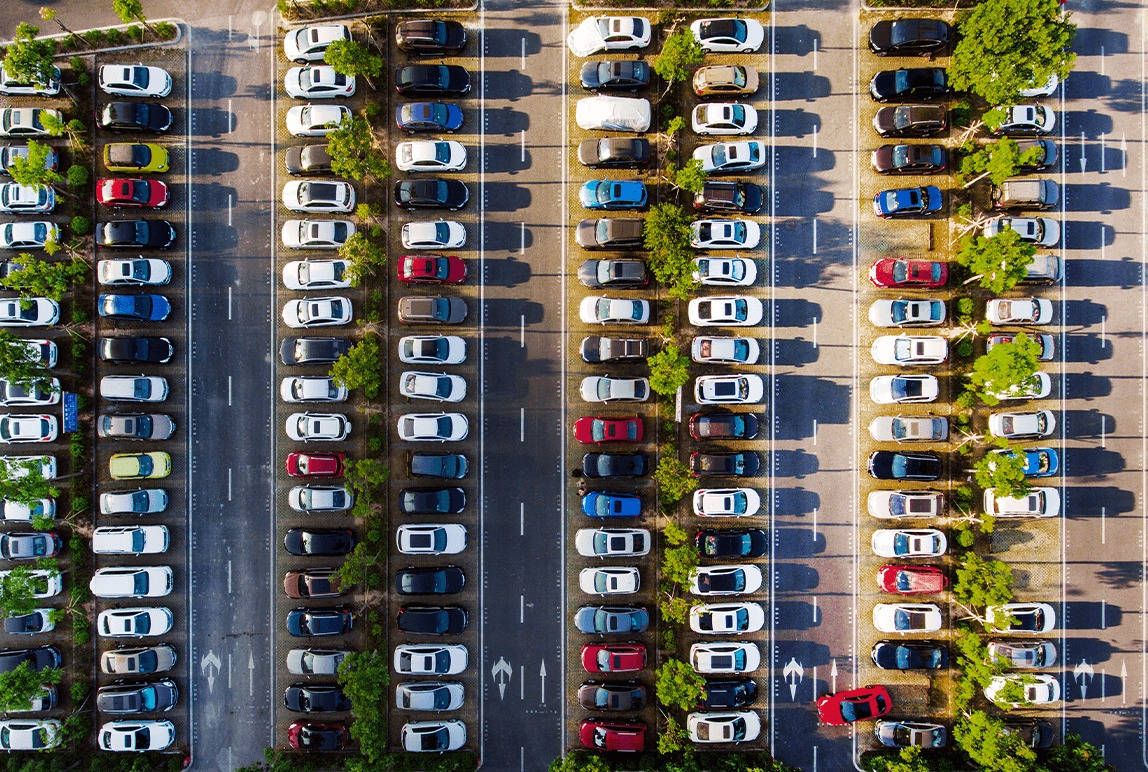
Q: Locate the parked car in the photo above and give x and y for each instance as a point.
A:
(597, 349)
(131, 698)
(323, 542)
(305, 622)
(723, 424)
(25, 121)
(316, 120)
(740, 464)
(914, 120)
(615, 697)
(923, 84)
(1038, 502)
(136, 736)
(432, 696)
(707, 349)
(432, 155)
(910, 655)
(146, 307)
(432, 620)
(901, 465)
(318, 81)
(611, 620)
(612, 736)
(309, 43)
(725, 80)
(727, 618)
(599, 309)
(733, 389)
(725, 311)
(725, 234)
(851, 705)
(431, 193)
(726, 502)
(908, 202)
(430, 659)
(909, 428)
(1036, 689)
(897, 505)
(26, 199)
(895, 272)
(731, 157)
(608, 465)
(137, 348)
(609, 581)
(1046, 343)
(725, 657)
(10, 85)
(135, 426)
(909, 543)
(432, 349)
(145, 157)
(609, 33)
(610, 233)
(613, 657)
(612, 542)
(33, 734)
(723, 118)
(743, 579)
(909, 159)
(598, 388)
(909, 350)
(307, 159)
(909, 734)
(1027, 120)
(613, 194)
(726, 196)
(1018, 310)
(433, 234)
(1022, 425)
(614, 152)
(432, 80)
(909, 37)
(135, 234)
(1042, 231)
(431, 539)
(134, 622)
(907, 617)
(1022, 654)
(428, 116)
(135, 116)
(728, 35)
(614, 75)
(433, 427)
(136, 80)
(618, 274)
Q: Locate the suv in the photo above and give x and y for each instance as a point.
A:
(444, 466)
(432, 309)
(1044, 269)
(716, 196)
(1025, 194)
(430, 37)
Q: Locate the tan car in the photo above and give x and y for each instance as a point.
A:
(138, 661)
(725, 80)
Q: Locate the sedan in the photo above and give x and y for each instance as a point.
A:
(725, 234)
(316, 120)
(909, 37)
(725, 657)
(432, 80)
(614, 75)
(315, 464)
(316, 234)
(25, 121)
(609, 33)
(432, 309)
(911, 580)
(613, 194)
(152, 465)
(899, 465)
(1031, 120)
(430, 580)
(911, 121)
(432, 501)
(907, 202)
(432, 620)
(431, 539)
(726, 580)
(903, 312)
(598, 388)
(131, 193)
(909, 655)
(311, 388)
(28, 235)
(26, 511)
(908, 734)
(135, 234)
(899, 389)
(1020, 618)
(727, 35)
(319, 541)
(305, 622)
(611, 620)
(741, 464)
(130, 157)
(614, 152)
(432, 349)
(613, 657)
(610, 233)
(317, 312)
(29, 393)
(595, 430)
(432, 427)
(907, 617)
(852, 705)
(924, 84)
(26, 199)
(135, 116)
(309, 44)
(1038, 462)
(612, 542)
(320, 498)
(329, 427)
(430, 659)
(133, 272)
(436, 234)
(312, 351)
(136, 348)
(726, 502)
(733, 543)
(894, 272)
(43, 83)
(727, 311)
(132, 582)
(148, 307)
(134, 80)
(135, 426)
(315, 583)
(725, 271)
(731, 157)
(898, 505)
(735, 389)
(597, 309)
(1022, 654)
(315, 196)
(136, 736)
(15, 428)
(317, 737)
(1019, 311)
(134, 622)
(1034, 689)
(428, 116)
(1038, 502)
(909, 428)
(1046, 343)
(1038, 386)
(430, 156)
(130, 698)
(725, 80)
(142, 501)
(1042, 231)
(609, 581)
(723, 118)
(723, 350)
(606, 504)
(437, 387)
(727, 618)
(432, 736)
(145, 660)
(620, 274)
(433, 193)
(318, 81)
(597, 349)
(728, 693)
(604, 465)
(738, 727)
(625, 696)
(27, 545)
(909, 350)
(909, 543)
(434, 696)
(909, 159)
(431, 269)
(723, 424)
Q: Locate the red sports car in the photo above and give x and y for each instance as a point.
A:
(593, 430)
(612, 736)
(613, 657)
(890, 272)
(315, 464)
(912, 580)
(854, 705)
(431, 269)
(131, 192)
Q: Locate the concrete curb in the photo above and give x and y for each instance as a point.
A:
(589, 6)
(284, 23)
(864, 6)
(178, 23)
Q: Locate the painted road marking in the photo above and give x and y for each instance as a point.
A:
(1083, 160)
(522, 56)
(522, 238)
(815, 140)
(522, 424)
(229, 591)
(521, 608)
(1102, 168)
(229, 483)
(815, 524)
(814, 431)
(522, 146)
(815, 235)
(229, 391)
(815, 611)
(522, 682)
(230, 124)
(815, 332)
(1103, 523)
(229, 197)
(815, 38)
(229, 304)
(522, 331)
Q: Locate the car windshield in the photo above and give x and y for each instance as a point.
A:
(140, 583)
(140, 623)
(141, 388)
(139, 76)
(900, 465)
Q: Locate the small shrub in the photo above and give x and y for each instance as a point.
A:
(97, 37)
(78, 64)
(116, 36)
(78, 175)
(71, 42)
(77, 449)
(80, 225)
(965, 537)
(136, 33)
(81, 631)
(80, 315)
(79, 504)
(166, 30)
(964, 349)
(80, 689)
(375, 445)
(372, 111)
(76, 544)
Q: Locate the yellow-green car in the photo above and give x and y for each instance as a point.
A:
(135, 157)
(139, 466)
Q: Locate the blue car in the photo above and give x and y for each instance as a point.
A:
(907, 202)
(613, 194)
(428, 116)
(604, 504)
(611, 620)
(134, 308)
(1038, 462)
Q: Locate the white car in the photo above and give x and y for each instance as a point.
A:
(130, 540)
(433, 427)
(1027, 120)
(907, 617)
(40, 392)
(430, 155)
(432, 349)
(320, 498)
(727, 618)
(29, 734)
(142, 501)
(431, 539)
(900, 389)
(438, 387)
(32, 234)
(40, 312)
(599, 309)
(45, 583)
(316, 234)
(1039, 387)
(1042, 231)
(311, 388)
(24, 512)
(134, 622)
(731, 157)
(612, 542)
(725, 311)
(1038, 502)
(723, 233)
(18, 467)
(138, 271)
(724, 118)
(426, 696)
(432, 736)
(319, 196)
(733, 389)
(12, 86)
(133, 388)
(318, 81)
(725, 271)
(134, 80)
(904, 350)
(1036, 689)
(306, 427)
(905, 312)
(316, 274)
(728, 35)
(316, 120)
(27, 427)
(136, 736)
(430, 659)
(25, 121)
(609, 33)
(1020, 618)
(309, 44)
(725, 657)
(321, 662)
(38, 350)
(909, 543)
(1042, 89)
(317, 312)
(726, 580)
(726, 502)
(132, 582)
(741, 726)
(25, 199)
(726, 351)
(902, 505)
(1022, 426)
(611, 113)
(1019, 310)
(603, 388)
(609, 581)
(909, 428)
(434, 234)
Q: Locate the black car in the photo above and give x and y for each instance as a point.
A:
(897, 465)
(135, 116)
(312, 351)
(26, 624)
(304, 622)
(432, 620)
(130, 350)
(729, 693)
(615, 464)
(911, 121)
(432, 193)
(909, 37)
(319, 541)
(615, 153)
(444, 466)
(718, 196)
(724, 425)
(430, 37)
(740, 464)
(315, 698)
(446, 580)
(628, 75)
(127, 698)
(432, 501)
(616, 696)
(733, 543)
(598, 348)
(432, 80)
(620, 274)
(910, 655)
(308, 159)
(39, 658)
(1036, 734)
(909, 159)
(923, 83)
(314, 736)
(136, 234)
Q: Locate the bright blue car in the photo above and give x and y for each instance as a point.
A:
(428, 116)
(907, 202)
(613, 194)
(603, 504)
(134, 308)
(1038, 462)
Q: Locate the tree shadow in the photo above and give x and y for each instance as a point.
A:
(509, 272)
(812, 397)
(1102, 198)
(794, 577)
(1092, 462)
(795, 123)
(505, 196)
(1092, 272)
(797, 40)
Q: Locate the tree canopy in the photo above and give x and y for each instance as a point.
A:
(49, 278)
(361, 367)
(364, 676)
(678, 685)
(354, 152)
(1006, 366)
(1003, 472)
(680, 56)
(28, 58)
(1000, 261)
(33, 169)
(673, 477)
(669, 370)
(19, 363)
(997, 160)
(667, 235)
(979, 583)
(350, 57)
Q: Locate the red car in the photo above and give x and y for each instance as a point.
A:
(132, 192)
(613, 657)
(315, 464)
(891, 272)
(912, 580)
(317, 736)
(854, 705)
(593, 430)
(431, 269)
(608, 736)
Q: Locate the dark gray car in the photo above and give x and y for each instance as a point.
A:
(308, 159)
(135, 426)
(610, 233)
(622, 274)
(124, 698)
(432, 309)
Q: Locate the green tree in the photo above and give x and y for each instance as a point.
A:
(28, 58)
(678, 685)
(19, 363)
(690, 178)
(355, 152)
(22, 481)
(671, 259)
(579, 761)
(679, 564)
(33, 169)
(1006, 366)
(673, 738)
(674, 608)
(989, 746)
(51, 279)
(350, 57)
(132, 10)
(680, 56)
(18, 591)
(1076, 755)
(18, 687)
(673, 477)
(998, 161)
(979, 583)
(669, 370)
(365, 257)
(364, 565)
(361, 367)
(49, 14)
(974, 668)
(366, 474)
(999, 262)
(364, 676)
(1007, 46)
(1004, 472)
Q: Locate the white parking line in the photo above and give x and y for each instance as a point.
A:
(815, 235)
(521, 608)
(229, 197)
(815, 53)
(521, 519)
(229, 391)
(522, 145)
(229, 304)
(1103, 525)
(814, 140)
(229, 592)
(815, 332)
(522, 331)
(229, 483)
(230, 123)
(522, 56)
(1102, 169)
(522, 424)
(814, 431)
(1103, 330)
(815, 539)
(522, 238)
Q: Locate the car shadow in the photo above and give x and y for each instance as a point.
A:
(213, 196)
(506, 196)
(794, 577)
(509, 272)
(795, 501)
(502, 121)
(1087, 502)
(506, 84)
(795, 615)
(794, 463)
(1086, 386)
(1092, 462)
(795, 352)
(798, 40)
(811, 397)
(510, 236)
(795, 122)
(1087, 424)
(806, 86)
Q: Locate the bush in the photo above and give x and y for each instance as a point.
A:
(79, 690)
(97, 37)
(78, 175)
(80, 225)
(136, 33)
(116, 36)
(166, 30)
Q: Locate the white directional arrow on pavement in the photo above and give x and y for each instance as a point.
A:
(542, 675)
(833, 676)
(1083, 674)
(1123, 683)
(794, 674)
(501, 673)
(209, 665)
(1083, 161)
